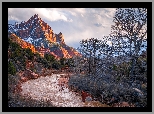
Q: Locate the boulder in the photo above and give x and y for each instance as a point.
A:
(17, 88)
(27, 75)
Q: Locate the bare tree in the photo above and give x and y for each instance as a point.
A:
(90, 50)
(111, 61)
(130, 30)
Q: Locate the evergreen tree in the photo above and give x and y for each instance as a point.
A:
(11, 68)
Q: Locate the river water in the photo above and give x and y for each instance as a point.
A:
(47, 88)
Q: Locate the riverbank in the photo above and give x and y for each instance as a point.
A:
(47, 89)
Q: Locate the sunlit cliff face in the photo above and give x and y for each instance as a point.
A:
(40, 37)
(22, 43)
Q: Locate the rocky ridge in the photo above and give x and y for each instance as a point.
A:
(38, 33)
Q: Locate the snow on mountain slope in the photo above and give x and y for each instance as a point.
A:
(38, 33)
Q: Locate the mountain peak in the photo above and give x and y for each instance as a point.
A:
(36, 32)
(35, 17)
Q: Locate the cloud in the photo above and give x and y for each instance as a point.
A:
(72, 13)
(80, 10)
(75, 23)
(52, 15)
(82, 15)
(13, 18)
(44, 13)
(110, 12)
(74, 39)
(98, 25)
(20, 14)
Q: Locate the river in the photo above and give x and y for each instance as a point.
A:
(47, 88)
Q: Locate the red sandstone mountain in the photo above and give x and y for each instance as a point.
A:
(38, 33)
(22, 43)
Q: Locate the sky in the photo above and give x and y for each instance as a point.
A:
(74, 23)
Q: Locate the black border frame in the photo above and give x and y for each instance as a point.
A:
(6, 5)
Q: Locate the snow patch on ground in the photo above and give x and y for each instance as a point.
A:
(29, 40)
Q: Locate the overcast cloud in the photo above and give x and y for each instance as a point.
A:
(75, 23)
